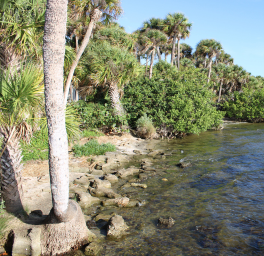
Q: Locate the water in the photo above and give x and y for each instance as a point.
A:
(217, 203)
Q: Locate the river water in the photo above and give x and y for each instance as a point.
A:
(217, 203)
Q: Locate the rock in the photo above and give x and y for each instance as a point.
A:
(139, 185)
(78, 253)
(166, 222)
(116, 227)
(127, 172)
(93, 249)
(120, 202)
(86, 200)
(143, 176)
(27, 242)
(101, 188)
(110, 177)
(184, 164)
(138, 152)
(164, 179)
(108, 168)
(97, 172)
(83, 180)
(103, 217)
(155, 153)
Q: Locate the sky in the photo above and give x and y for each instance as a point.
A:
(237, 24)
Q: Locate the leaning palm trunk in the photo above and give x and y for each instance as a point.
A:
(173, 49)
(96, 15)
(115, 100)
(151, 63)
(158, 52)
(12, 191)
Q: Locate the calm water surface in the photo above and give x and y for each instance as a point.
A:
(217, 204)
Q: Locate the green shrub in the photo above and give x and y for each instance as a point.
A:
(183, 104)
(97, 115)
(37, 149)
(92, 147)
(145, 128)
(247, 105)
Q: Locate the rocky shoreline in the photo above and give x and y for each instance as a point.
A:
(94, 183)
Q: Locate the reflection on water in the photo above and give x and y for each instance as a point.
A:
(217, 204)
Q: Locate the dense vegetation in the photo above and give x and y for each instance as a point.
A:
(124, 80)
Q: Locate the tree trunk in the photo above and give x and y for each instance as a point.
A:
(220, 91)
(77, 43)
(173, 49)
(158, 52)
(53, 57)
(115, 100)
(178, 55)
(146, 70)
(151, 63)
(95, 16)
(11, 175)
(210, 69)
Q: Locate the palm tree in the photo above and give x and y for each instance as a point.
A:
(208, 48)
(111, 66)
(177, 27)
(21, 26)
(225, 58)
(21, 96)
(185, 51)
(96, 9)
(156, 38)
(220, 71)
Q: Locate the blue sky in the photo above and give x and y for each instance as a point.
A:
(237, 24)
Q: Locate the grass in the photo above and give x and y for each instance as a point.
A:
(91, 133)
(37, 149)
(92, 147)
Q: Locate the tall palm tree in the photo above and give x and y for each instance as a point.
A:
(208, 48)
(220, 71)
(225, 58)
(177, 27)
(156, 38)
(21, 97)
(96, 9)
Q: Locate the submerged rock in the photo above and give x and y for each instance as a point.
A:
(139, 185)
(93, 249)
(127, 172)
(116, 227)
(166, 222)
(184, 164)
(119, 202)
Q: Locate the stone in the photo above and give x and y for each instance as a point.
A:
(93, 249)
(101, 188)
(86, 200)
(184, 164)
(27, 242)
(116, 227)
(119, 202)
(83, 180)
(139, 185)
(110, 177)
(127, 172)
(166, 222)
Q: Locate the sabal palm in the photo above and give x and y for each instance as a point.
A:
(208, 48)
(96, 9)
(21, 99)
(177, 27)
(156, 38)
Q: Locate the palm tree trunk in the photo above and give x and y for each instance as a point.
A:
(77, 43)
(173, 49)
(220, 91)
(151, 63)
(12, 191)
(146, 70)
(96, 15)
(178, 55)
(53, 57)
(115, 100)
(158, 52)
(210, 69)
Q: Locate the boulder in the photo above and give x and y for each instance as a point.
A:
(110, 177)
(116, 227)
(86, 200)
(93, 249)
(119, 202)
(127, 172)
